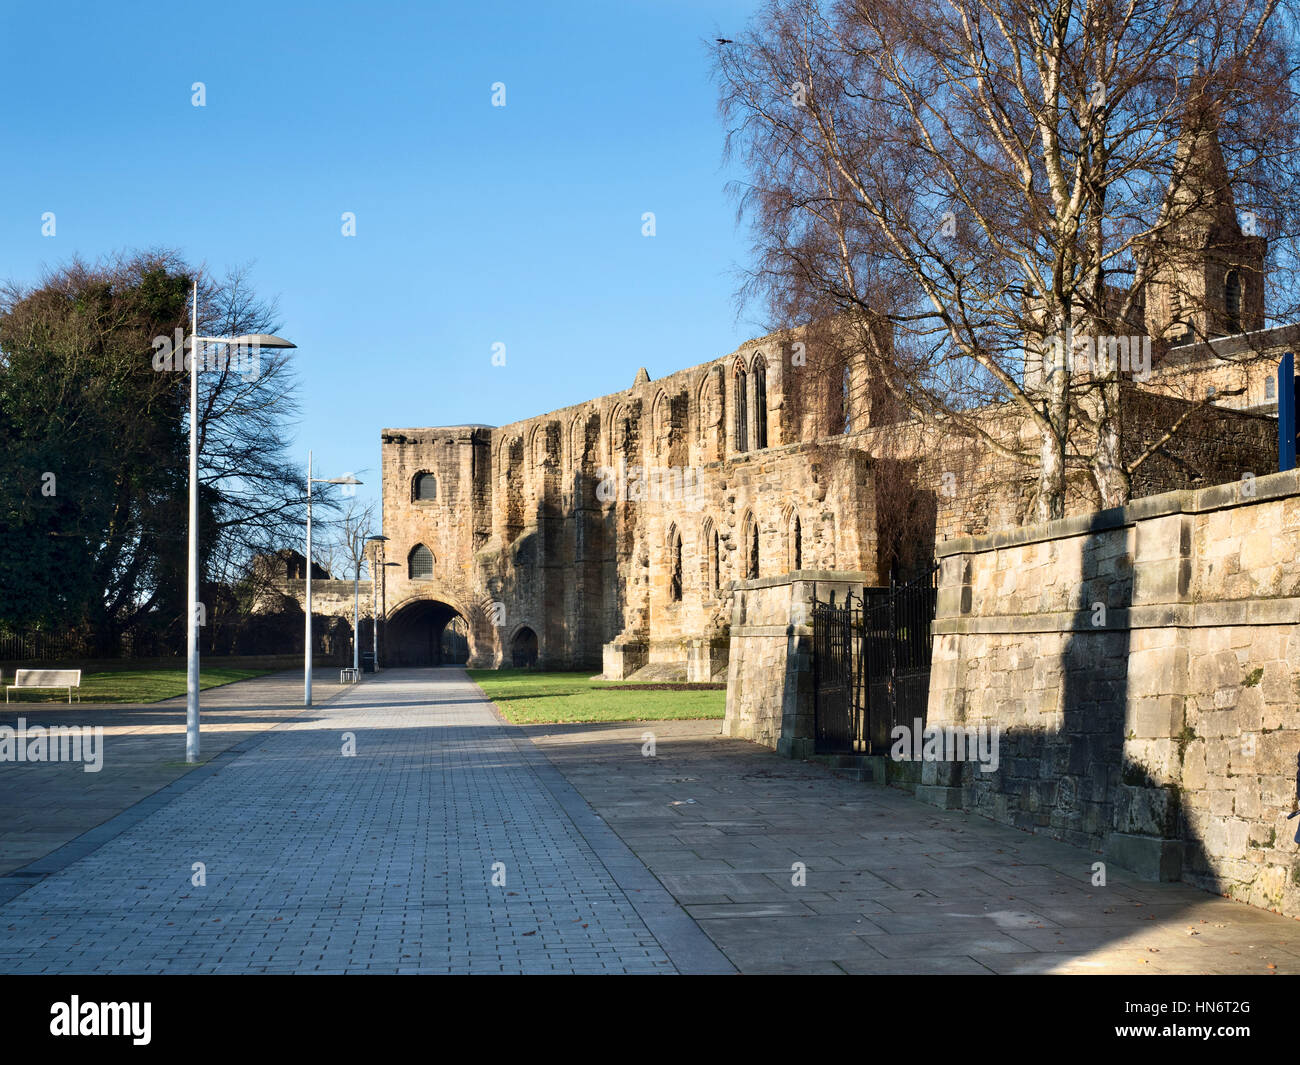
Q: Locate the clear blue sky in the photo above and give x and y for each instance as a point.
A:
(475, 224)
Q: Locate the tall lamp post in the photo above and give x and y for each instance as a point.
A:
(254, 341)
(356, 605)
(306, 658)
(383, 609)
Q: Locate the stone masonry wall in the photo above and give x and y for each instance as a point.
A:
(769, 679)
(1141, 664)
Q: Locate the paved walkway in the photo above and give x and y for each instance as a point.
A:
(891, 885)
(147, 741)
(452, 843)
(447, 843)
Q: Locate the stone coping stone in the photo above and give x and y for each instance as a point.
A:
(806, 575)
(1282, 611)
(772, 630)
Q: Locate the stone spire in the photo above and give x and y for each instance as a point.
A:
(1209, 277)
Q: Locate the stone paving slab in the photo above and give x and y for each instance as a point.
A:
(892, 885)
(382, 861)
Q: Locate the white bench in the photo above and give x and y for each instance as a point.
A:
(46, 678)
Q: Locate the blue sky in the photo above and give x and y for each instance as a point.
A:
(474, 225)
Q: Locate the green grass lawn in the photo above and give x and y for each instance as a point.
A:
(528, 697)
(130, 686)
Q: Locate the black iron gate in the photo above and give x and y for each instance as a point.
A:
(838, 708)
(871, 664)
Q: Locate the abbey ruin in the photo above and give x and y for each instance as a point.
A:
(608, 535)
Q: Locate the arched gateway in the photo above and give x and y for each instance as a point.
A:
(425, 632)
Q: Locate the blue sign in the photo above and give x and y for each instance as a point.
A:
(1286, 408)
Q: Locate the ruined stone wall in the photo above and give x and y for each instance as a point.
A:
(564, 531)
(330, 598)
(569, 524)
(1141, 666)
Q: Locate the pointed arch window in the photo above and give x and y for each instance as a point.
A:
(420, 563)
(760, 402)
(796, 544)
(709, 552)
(674, 565)
(1232, 300)
(742, 409)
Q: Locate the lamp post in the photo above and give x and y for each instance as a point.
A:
(255, 341)
(306, 658)
(356, 606)
(383, 609)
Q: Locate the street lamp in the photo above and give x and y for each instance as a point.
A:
(356, 605)
(255, 341)
(383, 610)
(306, 658)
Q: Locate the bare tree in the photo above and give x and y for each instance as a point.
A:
(341, 549)
(966, 186)
(247, 403)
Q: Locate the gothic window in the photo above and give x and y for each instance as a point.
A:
(420, 563)
(742, 409)
(796, 544)
(426, 487)
(675, 565)
(1232, 301)
(709, 555)
(760, 403)
(663, 421)
(620, 435)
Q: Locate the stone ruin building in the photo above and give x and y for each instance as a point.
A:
(607, 535)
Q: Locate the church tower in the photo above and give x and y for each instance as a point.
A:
(1209, 280)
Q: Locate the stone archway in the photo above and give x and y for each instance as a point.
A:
(425, 632)
(523, 648)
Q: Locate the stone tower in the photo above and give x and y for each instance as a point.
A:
(1209, 279)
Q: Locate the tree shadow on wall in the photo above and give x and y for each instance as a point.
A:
(1091, 782)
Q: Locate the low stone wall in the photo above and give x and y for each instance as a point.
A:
(1141, 665)
(330, 598)
(769, 678)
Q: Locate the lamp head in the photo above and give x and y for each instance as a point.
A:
(262, 340)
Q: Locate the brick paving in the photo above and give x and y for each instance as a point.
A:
(148, 753)
(379, 862)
